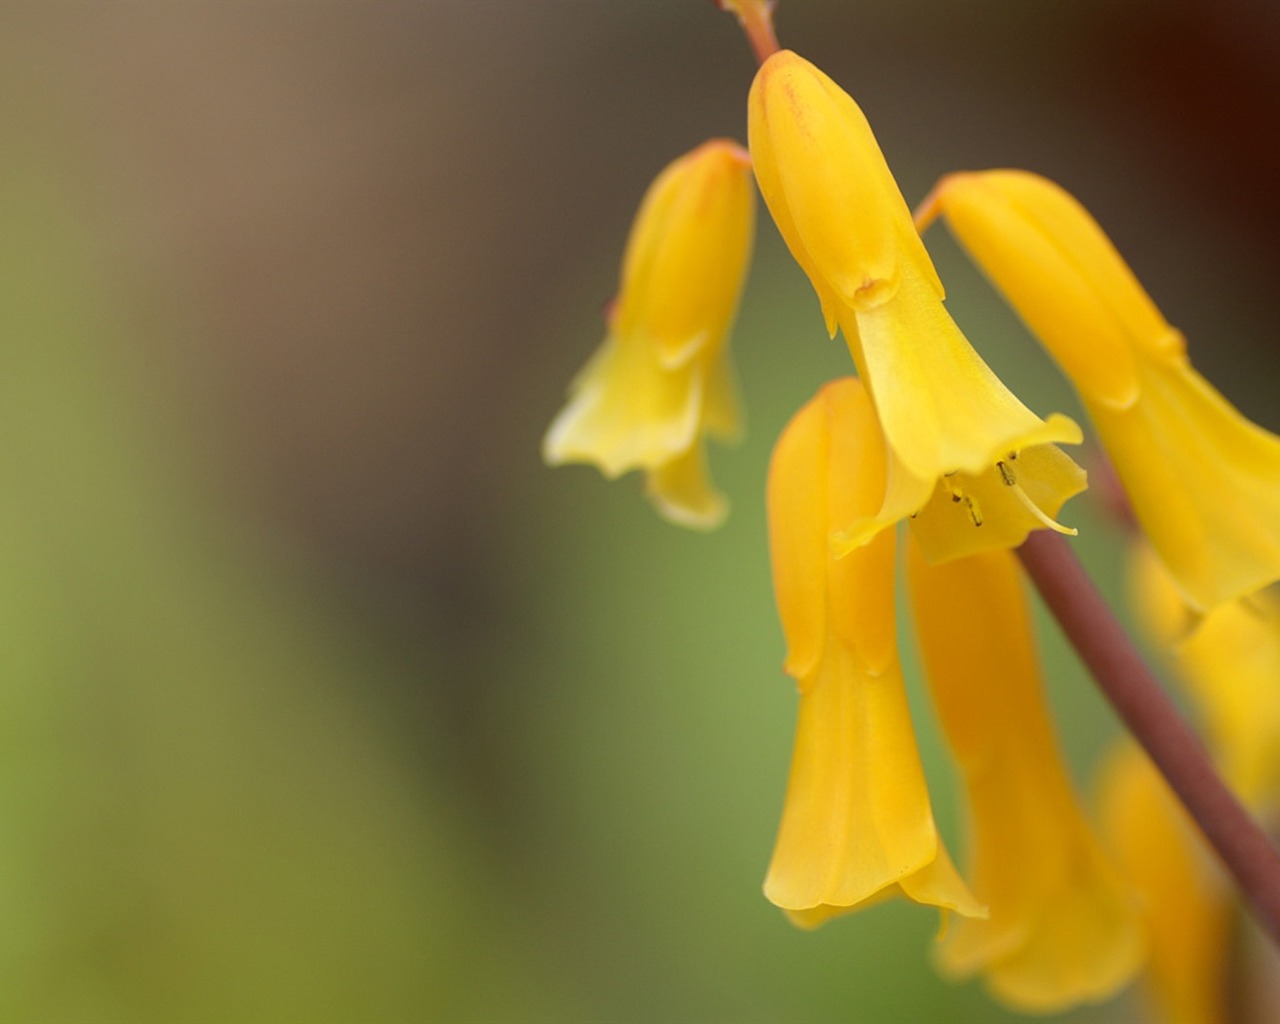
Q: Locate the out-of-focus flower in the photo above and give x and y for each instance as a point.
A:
(1187, 905)
(1063, 927)
(1203, 480)
(1229, 662)
(662, 381)
(942, 409)
(857, 824)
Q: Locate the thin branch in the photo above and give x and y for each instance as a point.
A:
(1141, 702)
(756, 19)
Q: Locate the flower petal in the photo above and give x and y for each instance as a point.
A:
(1188, 905)
(1204, 482)
(941, 407)
(1063, 928)
(682, 491)
(997, 509)
(1073, 289)
(828, 187)
(662, 381)
(828, 469)
(686, 259)
(1228, 660)
(857, 821)
(626, 412)
(857, 817)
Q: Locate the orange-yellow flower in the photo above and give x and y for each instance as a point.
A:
(1063, 928)
(1204, 482)
(942, 409)
(662, 381)
(857, 824)
(1229, 662)
(1187, 905)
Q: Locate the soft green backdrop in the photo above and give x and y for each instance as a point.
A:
(320, 697)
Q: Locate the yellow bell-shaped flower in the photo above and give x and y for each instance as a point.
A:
(1204, 482)
(857, 824)
(1228, 660)
(1021, 493)
(662, 381)
(842, 216)
(1188, 907)
(1063, 928)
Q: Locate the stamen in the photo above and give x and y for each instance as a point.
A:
(1034, 509)
(1006, 474)
(975, 513)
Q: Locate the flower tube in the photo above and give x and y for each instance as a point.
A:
(1204, 482)
(857, 824)
(662, 381)
(943, 411)
(1188, 907)
(1063, 928)
(1228, 661)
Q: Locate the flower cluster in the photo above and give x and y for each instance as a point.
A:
(926, 434)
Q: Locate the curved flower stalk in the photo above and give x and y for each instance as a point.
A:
(756, 19)
(1228, 660)
(857, 824)
(662, 381)
(1204, 482)
(1063, 927)
(1188, 907)
(942, 409)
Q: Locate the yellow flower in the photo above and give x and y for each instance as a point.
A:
(1229, 662)
(1204, 481)
(857, 824)
(838, 207)
(1063, 928)
(662, 381)
(1022, 493)
(1187, 904)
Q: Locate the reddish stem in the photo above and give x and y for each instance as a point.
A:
(1141, 702)
(756, 19)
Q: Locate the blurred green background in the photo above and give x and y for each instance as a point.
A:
(321, 699)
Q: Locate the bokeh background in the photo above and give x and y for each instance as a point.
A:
(320, 697)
